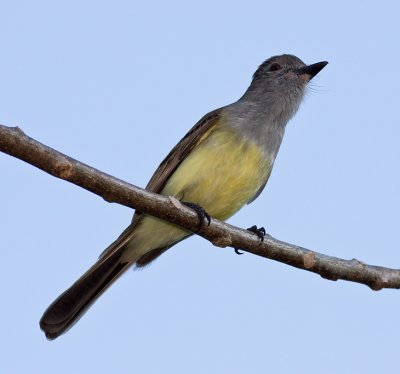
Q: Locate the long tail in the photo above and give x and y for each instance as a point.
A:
(66, 310)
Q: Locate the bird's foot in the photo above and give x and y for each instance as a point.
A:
(201, 213)
(260, 232)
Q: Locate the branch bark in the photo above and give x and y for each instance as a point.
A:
(14, 142)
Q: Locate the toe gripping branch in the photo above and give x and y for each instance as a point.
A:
(201, 213)
(260, 232)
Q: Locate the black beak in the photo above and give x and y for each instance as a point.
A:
(312, 70)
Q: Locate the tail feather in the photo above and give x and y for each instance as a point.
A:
(66, 310)
(150, 256)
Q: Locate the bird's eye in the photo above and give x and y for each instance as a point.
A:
(275, 67)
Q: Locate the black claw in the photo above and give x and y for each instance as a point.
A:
(201, 213)
(260, 232)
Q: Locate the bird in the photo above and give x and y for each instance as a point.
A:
(220, 165)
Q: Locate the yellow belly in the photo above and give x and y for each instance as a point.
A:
(221, 175)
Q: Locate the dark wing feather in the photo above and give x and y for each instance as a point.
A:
(181, 150)
(174, 158)
(157, 182)
(195, 136)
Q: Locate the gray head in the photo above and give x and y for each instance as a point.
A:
(274, 95)
(283, 74)
(279, 85)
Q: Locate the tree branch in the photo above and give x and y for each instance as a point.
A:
(14, 142)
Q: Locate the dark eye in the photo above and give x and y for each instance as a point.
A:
(275, 67)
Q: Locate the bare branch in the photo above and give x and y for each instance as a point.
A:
(15, 143)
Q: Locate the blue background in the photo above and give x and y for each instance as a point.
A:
(116, 85)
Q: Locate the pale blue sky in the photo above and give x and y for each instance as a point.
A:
(116, 85)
